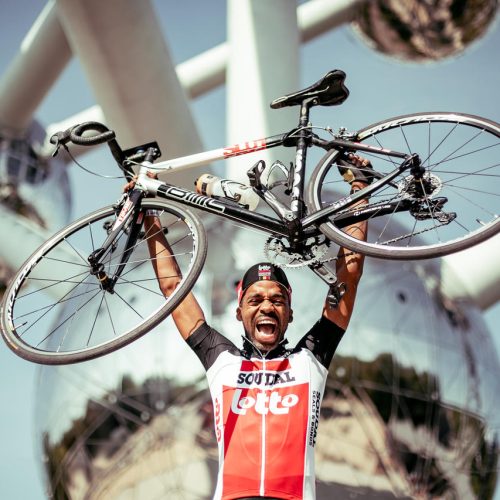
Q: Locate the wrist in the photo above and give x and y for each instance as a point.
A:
(357, 186)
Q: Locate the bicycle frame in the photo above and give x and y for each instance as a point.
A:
(290, 218)
(291, 224)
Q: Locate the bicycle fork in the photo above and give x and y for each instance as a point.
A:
(95, 259)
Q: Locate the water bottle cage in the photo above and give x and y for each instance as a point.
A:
(255, 173)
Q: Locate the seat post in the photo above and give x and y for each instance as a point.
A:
(297, 199)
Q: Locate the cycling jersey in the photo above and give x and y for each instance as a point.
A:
(266, 411)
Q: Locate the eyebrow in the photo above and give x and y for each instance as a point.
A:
(257, 295)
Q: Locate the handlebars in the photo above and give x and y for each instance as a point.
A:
(125, 159)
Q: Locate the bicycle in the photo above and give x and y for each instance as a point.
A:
(76, 297)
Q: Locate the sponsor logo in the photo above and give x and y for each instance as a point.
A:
(191, 198)
(15, 287)
(266, 378)
(297, 178)
(315, 407)
(218, 420)
(264, 272)
(244, 148)
(123, 214)
(263, 403)
(372, 209)
(274, 372)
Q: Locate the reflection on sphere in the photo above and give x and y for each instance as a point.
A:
(410, 407)
(32, 185)
(422, 31)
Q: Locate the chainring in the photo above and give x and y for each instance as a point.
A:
(314, 249)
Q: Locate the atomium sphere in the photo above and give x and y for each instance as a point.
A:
(410, 407)
(422, 30)
(32, 185)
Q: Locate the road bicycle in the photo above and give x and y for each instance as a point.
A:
(91, 288)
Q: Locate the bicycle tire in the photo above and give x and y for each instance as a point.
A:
(53, 299)
(471, 186)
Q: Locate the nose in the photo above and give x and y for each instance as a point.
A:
(266, 305)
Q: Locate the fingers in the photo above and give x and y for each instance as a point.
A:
(130, 185)
(358, 161)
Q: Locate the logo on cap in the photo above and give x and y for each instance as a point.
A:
(264, 272)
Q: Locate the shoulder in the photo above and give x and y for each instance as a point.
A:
(208, 344)
(322, 340)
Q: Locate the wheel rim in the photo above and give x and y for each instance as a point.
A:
(459, 153)
(60, 311)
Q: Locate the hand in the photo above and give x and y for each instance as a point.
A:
(355, 169)
(130, 185)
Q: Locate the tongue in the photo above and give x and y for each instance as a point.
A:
(267, 329)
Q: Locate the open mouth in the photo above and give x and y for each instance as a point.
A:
(267, 327)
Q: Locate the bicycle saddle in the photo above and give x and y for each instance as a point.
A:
(329, 91)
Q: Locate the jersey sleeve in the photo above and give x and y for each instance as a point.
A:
(322, 340)
(208, 343)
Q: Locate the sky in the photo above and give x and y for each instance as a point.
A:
(380, 88)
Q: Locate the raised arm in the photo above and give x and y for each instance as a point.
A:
(188, 315)
(349, 267)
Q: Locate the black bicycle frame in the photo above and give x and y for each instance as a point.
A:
(291, 224)
(307, 225)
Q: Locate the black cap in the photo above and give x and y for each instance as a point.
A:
(263, 271)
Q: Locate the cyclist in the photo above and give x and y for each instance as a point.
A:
(266, 396)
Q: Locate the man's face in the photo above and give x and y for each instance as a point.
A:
(265, 312)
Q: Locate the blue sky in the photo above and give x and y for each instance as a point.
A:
(380, 88)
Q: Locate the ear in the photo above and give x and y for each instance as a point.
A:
(238, 314)
(291, 316)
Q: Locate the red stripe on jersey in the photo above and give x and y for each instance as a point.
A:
(282, 413)
(270, 366)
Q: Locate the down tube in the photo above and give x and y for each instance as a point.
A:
(226, 210)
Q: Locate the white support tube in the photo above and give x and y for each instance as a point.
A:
(207, 71)
(473, 274)
(263, 64)
(42, 57)
(131, 73)
(319, 16)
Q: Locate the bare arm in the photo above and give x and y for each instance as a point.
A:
(349, 267)
(188, 315)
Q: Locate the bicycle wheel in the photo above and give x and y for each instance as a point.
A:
(454, 206)
(56, 312)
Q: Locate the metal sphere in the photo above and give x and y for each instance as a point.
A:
(423, 30)
(410, 406)
(32, 185)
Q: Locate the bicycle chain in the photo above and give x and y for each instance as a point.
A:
(410, 235)
(280, 249)
(399, 238)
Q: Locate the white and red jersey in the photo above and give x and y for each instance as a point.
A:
(266, 411)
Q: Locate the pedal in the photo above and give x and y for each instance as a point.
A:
(335, 293)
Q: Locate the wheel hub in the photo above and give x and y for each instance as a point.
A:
(428, 186)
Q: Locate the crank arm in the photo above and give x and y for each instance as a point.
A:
(336, 290)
